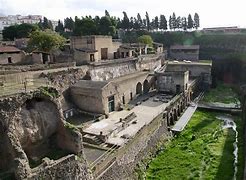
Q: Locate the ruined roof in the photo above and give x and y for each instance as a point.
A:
(125, 46)
(87, 84)
(9, 49)
(185, 47)
(129, 76)
(87, 50)
(157, 44)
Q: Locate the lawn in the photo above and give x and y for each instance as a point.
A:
(222, 93)
(202, 151)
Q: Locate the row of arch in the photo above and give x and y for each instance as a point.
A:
(175, 112)
(143, 89)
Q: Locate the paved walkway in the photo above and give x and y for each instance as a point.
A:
(184, 119)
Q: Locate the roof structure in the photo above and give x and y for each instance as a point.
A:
(87, 84)
(9, 49)
(87, 50)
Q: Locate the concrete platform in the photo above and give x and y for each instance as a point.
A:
(145, 112)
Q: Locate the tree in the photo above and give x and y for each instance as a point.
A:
(174, 21)
(18, 31)
(156, 23)
(139, 20)
(184, 23)
(190, 22)
(125, 24)
(107, 13)
(170, 23)
(45, 41)
(163, 22)
(146, 39)
(178, 22)
(45, 23)
(147, 21)
(59, 28)
(69, 24)
(196, 21)
(106, 27)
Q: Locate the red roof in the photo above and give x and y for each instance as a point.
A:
(9, 49)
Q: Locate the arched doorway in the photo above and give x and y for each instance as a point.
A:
(146, 87)
(179, 110)
(139, 89)
(171, 121)
(175, 117)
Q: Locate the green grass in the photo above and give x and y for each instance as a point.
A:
(202, 151)
(222, 93)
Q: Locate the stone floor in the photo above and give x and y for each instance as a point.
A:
(145, 112)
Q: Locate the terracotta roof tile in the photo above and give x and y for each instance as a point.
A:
(9, 49)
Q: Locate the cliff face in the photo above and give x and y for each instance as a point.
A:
(38, 119)
(32, 125)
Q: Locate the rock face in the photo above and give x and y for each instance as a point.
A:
(32, 125)
(37, 121)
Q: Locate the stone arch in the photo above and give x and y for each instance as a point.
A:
(171, 120)
(175, 116)
(182, 106)
(146, 86)
(139, 89)
(179, 110)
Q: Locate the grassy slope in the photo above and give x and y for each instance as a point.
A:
(207, 155)
(222, 93)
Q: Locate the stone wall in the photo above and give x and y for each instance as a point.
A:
(68, 168)
(143, 144)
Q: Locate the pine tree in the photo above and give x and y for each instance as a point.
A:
(59, 28)
(170, 23)
(178, 22)
(69, 24)
(190, 22)
(163, 22)
(156, 23)
(140, 21)
(184, 23)
(148, 21)
(125, 24)
(107, 13)
(174, 21)
(45, 23)
(196, 21)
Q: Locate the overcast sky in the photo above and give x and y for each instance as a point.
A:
(212, 12)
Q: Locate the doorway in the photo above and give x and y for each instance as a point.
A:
(9, 60)
(92, 57)
(111, 103)
(178, 88)
(104, 53)
(123, 99)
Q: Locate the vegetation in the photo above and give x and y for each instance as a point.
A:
(222, 93)
(48, 91)
(45, 41)
(18, 31)
(203, 151)
(146, 39)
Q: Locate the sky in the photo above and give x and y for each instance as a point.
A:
(213, 13)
